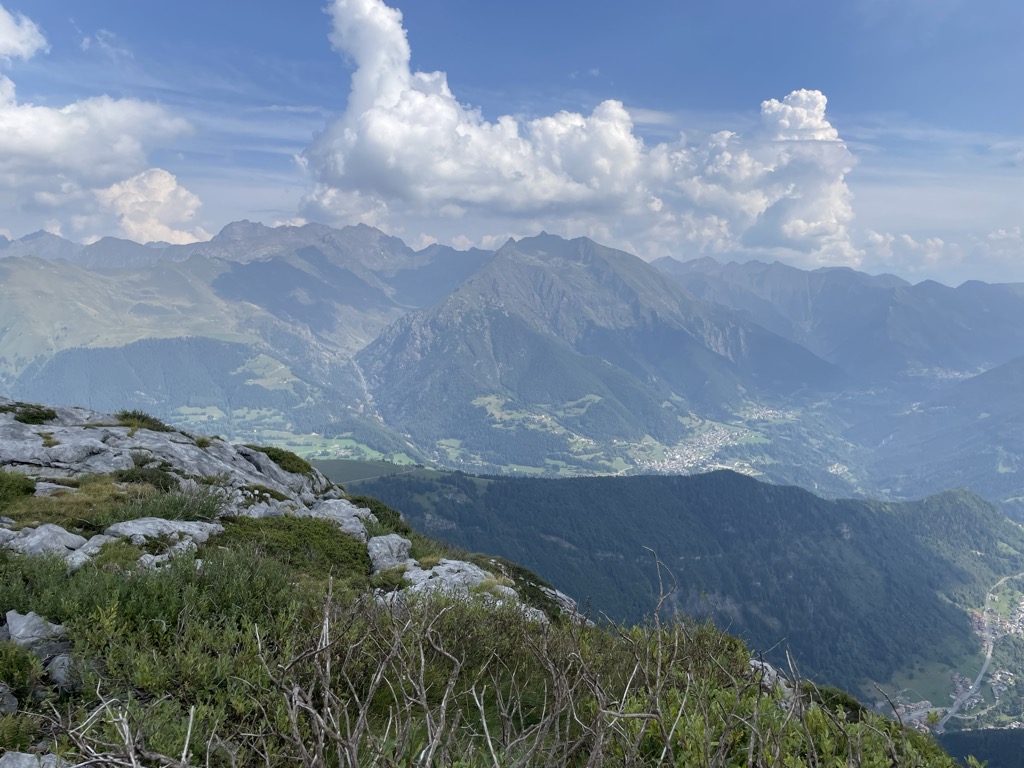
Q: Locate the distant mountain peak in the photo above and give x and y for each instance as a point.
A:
(41, 234)
(242, 230)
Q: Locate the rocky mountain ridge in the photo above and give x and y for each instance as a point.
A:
(547, 356)
(56, 449)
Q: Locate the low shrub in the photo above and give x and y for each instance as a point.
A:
(141, 420)
(306, 545)
(29, 413)
(194, 504)
(49, 441)
(388, 517)
(286, 460)
(389, 580)
(160, 479)
(20, 669)
(14, 485)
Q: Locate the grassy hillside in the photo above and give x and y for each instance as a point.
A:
(271, 650)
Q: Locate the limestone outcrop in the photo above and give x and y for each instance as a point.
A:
(60, 447)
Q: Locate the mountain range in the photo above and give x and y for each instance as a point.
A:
(546, 356)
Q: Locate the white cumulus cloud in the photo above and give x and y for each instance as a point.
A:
(406, 149)
(150, 205)
(20, 38)
(82, 167)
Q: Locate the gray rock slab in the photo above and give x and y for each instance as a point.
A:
(155, 527)
(390, 551)
(448, 576)
(53, 489)
(27, 760)
(30, 629)
(344, 514)
(46, 539)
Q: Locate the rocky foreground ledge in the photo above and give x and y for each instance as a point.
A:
(56, 448)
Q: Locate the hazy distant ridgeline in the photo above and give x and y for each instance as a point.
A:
(547, 355)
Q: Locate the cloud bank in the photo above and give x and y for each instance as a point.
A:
(60, 163)
(150, 204)
(406, 149)
(20, 38)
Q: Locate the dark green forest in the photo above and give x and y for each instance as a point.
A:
(855, 590)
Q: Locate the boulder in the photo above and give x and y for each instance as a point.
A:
(46, 539)
(8, 701)
(61, 669)
(344, 514)
(770, 679)
(30, 630)
(53, 489)
(454, 577)
(389, 551)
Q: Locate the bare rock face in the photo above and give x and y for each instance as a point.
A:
(453, 577)
(390, 551)
(78, 442)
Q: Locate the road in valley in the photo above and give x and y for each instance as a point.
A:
(989, 640)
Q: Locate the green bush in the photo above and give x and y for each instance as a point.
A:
(29, 413)
(14, 485)
(388, 517)
(160, 479)
(20, 669)
(286, 460)
(18, 732)
(390, 580)
(121, 553)
(141, 420)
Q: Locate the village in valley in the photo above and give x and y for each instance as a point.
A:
(975, 702)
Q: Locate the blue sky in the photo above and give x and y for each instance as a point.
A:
(886, 135)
